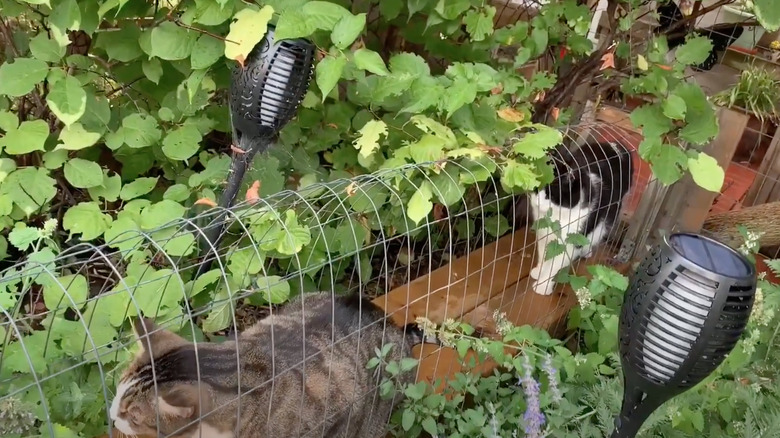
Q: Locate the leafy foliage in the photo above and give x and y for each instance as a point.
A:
(115, 134)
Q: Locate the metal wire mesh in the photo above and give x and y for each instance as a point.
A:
(66, 319)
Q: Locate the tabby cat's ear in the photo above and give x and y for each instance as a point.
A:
(149, 335)
(183, 400)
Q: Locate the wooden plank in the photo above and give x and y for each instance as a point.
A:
(616, 117)
(457, 288)
(521, 306)
(688, 205)
(766, 182)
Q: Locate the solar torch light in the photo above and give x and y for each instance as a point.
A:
(265, 93)
(686, 307)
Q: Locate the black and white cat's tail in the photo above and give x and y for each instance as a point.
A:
(416, 335)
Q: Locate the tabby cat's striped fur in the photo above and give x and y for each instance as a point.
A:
(302, 374)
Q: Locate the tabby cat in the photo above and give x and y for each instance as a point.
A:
(302, 374)
(585, 197)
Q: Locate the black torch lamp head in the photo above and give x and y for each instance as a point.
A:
(685, 309)
(265, 92)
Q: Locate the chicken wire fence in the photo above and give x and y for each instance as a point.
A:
(66, 320)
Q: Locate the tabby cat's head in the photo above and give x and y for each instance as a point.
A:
(174, 404)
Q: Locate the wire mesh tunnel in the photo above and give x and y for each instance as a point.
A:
(67, 321)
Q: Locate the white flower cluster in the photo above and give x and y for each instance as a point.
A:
(584, 297)
(503, 325)
(749, 344)
(761, 315)
(751, 242)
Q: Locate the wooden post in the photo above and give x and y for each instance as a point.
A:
(766, 186)
(688, 205)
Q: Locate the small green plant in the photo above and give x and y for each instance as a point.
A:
(756, 91)
(545, 387)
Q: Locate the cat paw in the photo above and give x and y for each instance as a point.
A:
(535, 272)
(544, 288)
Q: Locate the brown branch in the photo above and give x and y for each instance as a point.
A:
(565, 85)
(696, 14)
(203, 31)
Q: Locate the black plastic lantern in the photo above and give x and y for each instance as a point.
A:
(265, 93)
(685, 309)
(264, 96)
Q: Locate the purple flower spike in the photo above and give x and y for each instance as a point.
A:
(533, 418)
(552, 376)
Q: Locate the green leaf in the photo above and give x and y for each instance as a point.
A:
(390, 8)
(66, 291)
(248, 28)
(109, 190)
(328, 73)
(271, 290)
(20, 77)
(212, 13)
(347, 30)
(410, 63)
(296, 236)
(519, 175)
(46, 49)
(30, 188)
(536, 144)
(706, 172)
(420, 204)
(451, 9)
(22, 236)
(667, 163)
(295, 24)
(416, 6)
(83, 174)
(206, 52)
(75, 137)
(67, 100)
(407, 419)
(768, 14)
(8, 121)
(674, 107)
(700, 118)
(370, 61)
(447, 187)
(462, 92)
(121, 45)
(695, 51)
(370, 134)
(540, 38)
(161, 213)
(65, 16)
(651, 119)
(429, 425)
(172, 42)
(86, 219)
(28, 137)
(139, 187)
(182, 143)
(139, 130)
(152, 69)
(177, 192)
(480, 24)
(424, 93)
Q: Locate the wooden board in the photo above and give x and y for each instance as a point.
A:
(766, 187)
(687, 205)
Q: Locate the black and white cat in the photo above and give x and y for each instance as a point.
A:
(585, 197)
